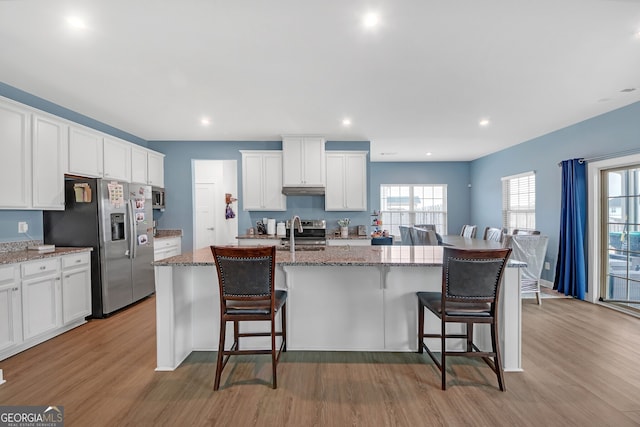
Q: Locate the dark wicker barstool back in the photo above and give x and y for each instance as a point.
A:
(246, 278)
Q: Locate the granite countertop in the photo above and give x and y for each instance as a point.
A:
(350, 237)
(332, 256)
(163, 234)
(259, 236)
(25, 255)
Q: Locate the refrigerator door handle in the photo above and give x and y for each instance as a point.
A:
(132, 231)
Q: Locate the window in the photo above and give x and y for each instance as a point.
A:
(413, 204)
(519, 201)
(621, 211)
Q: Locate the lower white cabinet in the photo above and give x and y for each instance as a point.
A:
(166, 247)
(41, 299)
(76, 295)
(10, 307)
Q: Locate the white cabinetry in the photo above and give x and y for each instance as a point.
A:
(346, 188)
(10, 307)
(304, 161)
(85, 152)
(40, 297)
(117, 159)
(15, 161)
(155, 171)
(166, 247)
(49, 160)
(76, 287)
(262, 181)
(139, 164)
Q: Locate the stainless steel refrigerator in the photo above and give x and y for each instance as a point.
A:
(116, 220)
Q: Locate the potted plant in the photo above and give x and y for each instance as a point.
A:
(344, 227)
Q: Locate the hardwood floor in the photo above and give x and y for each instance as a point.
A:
(581, 366)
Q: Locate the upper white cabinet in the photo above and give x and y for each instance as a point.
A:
(15, 161)
(262, 181)
(155, 171)
(117, 159)
(304, 161)
(346, 188)
(138, 164)
(49, 158)
(85, 152)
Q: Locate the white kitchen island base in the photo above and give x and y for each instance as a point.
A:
(329, 308)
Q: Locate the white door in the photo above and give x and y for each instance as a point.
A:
(207, 210)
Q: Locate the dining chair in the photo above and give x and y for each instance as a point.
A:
(531, 249)
(246, 279)
(468, 231)
(422, 237)
(405, 235)
(493, 234)
(470, 294)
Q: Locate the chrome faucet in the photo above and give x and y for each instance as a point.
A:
(292, 240)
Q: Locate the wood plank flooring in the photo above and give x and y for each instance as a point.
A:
(581, 361)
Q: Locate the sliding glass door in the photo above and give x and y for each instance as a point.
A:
(621, 257)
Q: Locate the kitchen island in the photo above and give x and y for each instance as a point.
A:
(340, 298)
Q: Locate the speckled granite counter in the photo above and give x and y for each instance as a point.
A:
(25, 255)
(375, 285)
(332, 256)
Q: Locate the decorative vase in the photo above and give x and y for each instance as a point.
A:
(344, 232)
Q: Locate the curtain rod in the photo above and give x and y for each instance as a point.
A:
(607, 156)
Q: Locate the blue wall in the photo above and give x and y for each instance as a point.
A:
(609, 133)
(178, 185)
(454, 174)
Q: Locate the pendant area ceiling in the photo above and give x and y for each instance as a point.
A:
(418, 82)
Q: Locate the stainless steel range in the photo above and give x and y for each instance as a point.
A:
(314, 233)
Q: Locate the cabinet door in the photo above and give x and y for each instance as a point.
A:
(346, 188)
(334, 197)
(15, 161)
(155, 163)
(76, 294)
(272, 197)
(117, 159)
(292, 158)
(252, 181)
(39, 305)
(10, 308)
(139, 165)
(355, 185)
(49, 154)
(85, 153)
(314, 161)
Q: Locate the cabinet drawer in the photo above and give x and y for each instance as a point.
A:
(7, 274)
(75, 260)
(163, 243)
(38, 268)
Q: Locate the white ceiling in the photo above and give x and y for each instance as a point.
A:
(419, 82)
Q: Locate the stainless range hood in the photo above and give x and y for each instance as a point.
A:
(303, 191)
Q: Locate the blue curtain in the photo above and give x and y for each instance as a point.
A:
(571, 268)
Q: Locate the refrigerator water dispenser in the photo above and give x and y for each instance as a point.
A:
(117, 226)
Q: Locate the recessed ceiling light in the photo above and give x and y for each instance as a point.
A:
(346, 121)
(637, 35)
(428, 154)
(205, 121)
(76, 22)
(371, 20)
(484, 122)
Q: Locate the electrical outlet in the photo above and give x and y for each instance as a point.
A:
(547, 266)
(23, 227)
